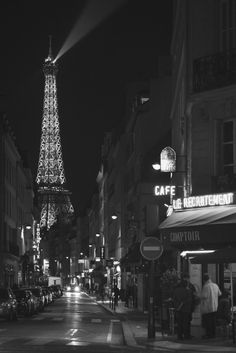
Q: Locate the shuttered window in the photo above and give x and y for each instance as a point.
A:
(229, 147)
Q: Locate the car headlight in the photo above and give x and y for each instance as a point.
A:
(68, 288)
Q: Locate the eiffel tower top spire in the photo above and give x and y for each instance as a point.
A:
(50, 166)
(50, 47)
(53, 198)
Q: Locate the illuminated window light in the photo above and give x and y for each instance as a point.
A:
(193, 252)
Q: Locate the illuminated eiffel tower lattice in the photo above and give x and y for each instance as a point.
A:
(53, 198)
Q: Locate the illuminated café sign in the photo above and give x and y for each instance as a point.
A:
(168, 160)
(163, 190)
(204, 201)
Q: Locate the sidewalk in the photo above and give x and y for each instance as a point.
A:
(135, 328)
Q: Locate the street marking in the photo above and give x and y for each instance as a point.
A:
(77, 343)
(110, 332)
(73, 331)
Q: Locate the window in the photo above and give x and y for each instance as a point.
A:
(229, 147)
(227, 24)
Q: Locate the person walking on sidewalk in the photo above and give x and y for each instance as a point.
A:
(116, 295)
(182, 298)
(209, 305)
(195, 298)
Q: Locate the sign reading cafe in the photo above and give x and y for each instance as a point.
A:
(204, 201)
(163, 190)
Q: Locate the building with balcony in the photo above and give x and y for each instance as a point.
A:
(17, 214)
(203, 118)
(128, 209)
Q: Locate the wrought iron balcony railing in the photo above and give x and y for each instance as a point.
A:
(214, 71)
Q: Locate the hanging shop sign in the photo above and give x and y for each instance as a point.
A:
(168, 160)
(203, 201)
(164, 190)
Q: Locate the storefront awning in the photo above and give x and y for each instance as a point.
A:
(202, 226)
(221, 256)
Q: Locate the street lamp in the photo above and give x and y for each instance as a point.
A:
(156, 166)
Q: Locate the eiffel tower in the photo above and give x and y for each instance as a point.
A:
(53, 198)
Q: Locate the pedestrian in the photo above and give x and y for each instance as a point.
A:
(209, 305)
(195, 298)
(223, 315)
(182, 298)
(116, 295)
(127, 296)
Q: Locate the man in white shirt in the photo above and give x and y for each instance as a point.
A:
(209, 305)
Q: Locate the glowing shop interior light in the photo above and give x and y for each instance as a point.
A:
(195, 252)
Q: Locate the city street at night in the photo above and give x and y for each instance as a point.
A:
(73, 320)
(77, 322)
(118, 176)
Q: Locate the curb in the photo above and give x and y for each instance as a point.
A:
(164, 344)
(106, 308)
(128, 336)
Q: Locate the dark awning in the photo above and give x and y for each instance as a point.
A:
(201, 226)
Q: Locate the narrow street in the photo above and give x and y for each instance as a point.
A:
(72, 322)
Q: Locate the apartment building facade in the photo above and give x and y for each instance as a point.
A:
(17, 214)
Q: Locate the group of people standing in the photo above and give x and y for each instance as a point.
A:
(186, 299)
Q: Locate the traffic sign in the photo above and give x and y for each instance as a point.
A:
(151, 248)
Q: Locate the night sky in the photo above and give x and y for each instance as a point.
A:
(91, 80)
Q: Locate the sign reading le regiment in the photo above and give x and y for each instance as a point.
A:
(204, 201)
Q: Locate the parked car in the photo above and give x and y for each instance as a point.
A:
(8, 304)
(25, 302)
(56, 291)
(38, 293)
